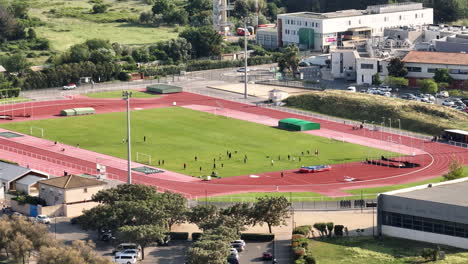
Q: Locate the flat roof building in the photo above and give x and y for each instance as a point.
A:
(320, 31)
(434, 213)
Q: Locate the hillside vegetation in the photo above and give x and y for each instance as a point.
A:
(415, 116)
(71, 22)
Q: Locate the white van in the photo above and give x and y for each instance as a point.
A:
(351, 89)
(125, 258)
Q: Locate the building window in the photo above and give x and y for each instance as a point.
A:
(85, 190)
(425, 224)
(415, 15)
(367, 66)
(349, 22)
(414, 69)
(359, 21)
(306, 23)
(400, 17)
(431, 70)
(422, 15)
(458, 71)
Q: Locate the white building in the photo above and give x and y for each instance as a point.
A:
(423, 64)
(319, 31)
(350, 65)
(433, 213)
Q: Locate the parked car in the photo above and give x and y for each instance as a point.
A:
(242, 69)
(238, 247)
(135, 252)
(233, 253)
(448, 103)
(239, 241)
(70, 86)
(125, 258)
(351, 89)
(385, 88)
(43, 219)
(408, 96)
(124, 246)
(267, 256)
(442, 94)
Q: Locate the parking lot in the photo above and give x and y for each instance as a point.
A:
(173, 254)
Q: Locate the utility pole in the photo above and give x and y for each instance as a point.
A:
(245, 58)
(126, 95)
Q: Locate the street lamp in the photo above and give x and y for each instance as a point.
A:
(126, 95)
(245, 57)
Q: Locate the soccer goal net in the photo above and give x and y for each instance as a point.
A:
(36, 131)
(143, 158)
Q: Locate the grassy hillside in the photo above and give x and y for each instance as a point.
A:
(72, 22)
(415, 116)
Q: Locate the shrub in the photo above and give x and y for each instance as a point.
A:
(338, 230)
(124, 77)
(298, 252)
(309, 259)
(257, 237)
(322, 228)
(430, 254)
(8, 93)
(99, 8)
(196, 236)
(330, 226)
(303, 230)
(179, 235)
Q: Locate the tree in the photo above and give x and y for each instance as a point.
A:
(241, 9)
(78, 53)
(146, 17)
(175, 208)
(143, 235)
(442, 76)
(141, 55)
(162, 7)
(95, 44)
(330, 226)
(10, 28)
(201, 214)
(15, 63)
(455, 170)
(102, 55)
(322, 228)
(396, 68)
(205, 41)
(176, 16)
(61, 255)
(20, 248)
(125, 192)
(289, 59)
(32, 34)
(5, 231)
(428, 86)
(86, 251)
(241, 213)
(396, 81)
(376, 79)
(271, 210)
(448, 10)
(272, 11)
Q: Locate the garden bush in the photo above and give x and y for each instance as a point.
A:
(303, 230)
(257, 237)
(196, 236)
(338, 230)
(298, 252)
(9, 93)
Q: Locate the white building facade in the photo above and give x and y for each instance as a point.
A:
(320, 31)
(423, 65)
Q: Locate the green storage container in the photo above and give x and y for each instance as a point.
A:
(163, 89)
(295, 124)
(84, 111)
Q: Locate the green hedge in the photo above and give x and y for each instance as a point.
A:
(302, 230)
(11, 92)
(27, 199)
(179, 235)
(196, 236)
(257, 237)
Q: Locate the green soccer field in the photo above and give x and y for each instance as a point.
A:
(176, 135)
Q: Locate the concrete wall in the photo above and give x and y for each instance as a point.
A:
(453, 241)
(82, 194)
(52, 210)
(20, 208)
(73, 210)
(52, 195)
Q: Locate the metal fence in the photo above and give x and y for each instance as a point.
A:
(300, 203)
(458, 144)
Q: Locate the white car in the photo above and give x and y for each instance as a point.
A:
(43, 219)
(442, 94)
(351, 89)
(125, 258)
(239, 241)
(135, 252)
(448, 103)
(242, 69)
(70, 86)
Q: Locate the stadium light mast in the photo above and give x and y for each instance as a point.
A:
(245, 57)
(126, 95)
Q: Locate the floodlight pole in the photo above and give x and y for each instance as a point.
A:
(245, 58)
(126, 95)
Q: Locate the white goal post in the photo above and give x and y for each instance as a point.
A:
(37, 130)
(143, 158)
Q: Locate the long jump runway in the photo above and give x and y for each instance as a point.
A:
(39, 153)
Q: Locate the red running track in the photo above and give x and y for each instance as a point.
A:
(434, 163)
